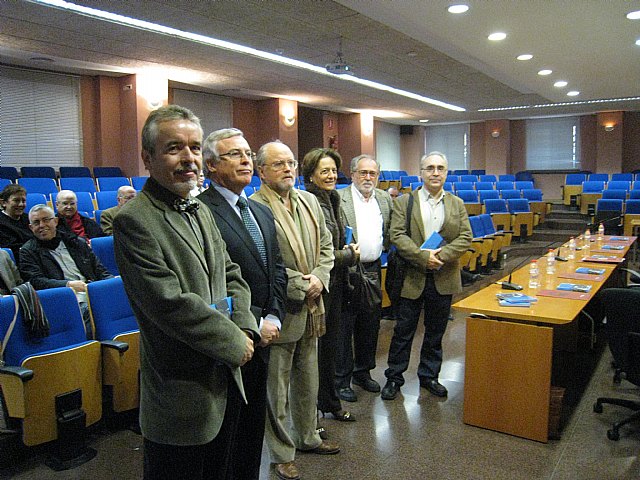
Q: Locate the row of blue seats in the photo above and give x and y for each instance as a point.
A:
(473, 196)
(500, 185)
(32, 384)
(597, 186)
(87, 202)
(11, 173)
(579, 178)
(631, 206)
(481, 178)
(50, 186)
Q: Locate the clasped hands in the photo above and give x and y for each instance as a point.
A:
(434, 263)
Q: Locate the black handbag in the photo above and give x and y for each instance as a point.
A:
(367, 292)
(396, 265)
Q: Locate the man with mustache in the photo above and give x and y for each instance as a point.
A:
(177, 273)
(307, 251)
(368, 213)
(71, 222)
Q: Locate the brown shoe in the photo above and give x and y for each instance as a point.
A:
(327, 447)
(286, 471)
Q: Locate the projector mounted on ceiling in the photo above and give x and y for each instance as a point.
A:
(339, 66)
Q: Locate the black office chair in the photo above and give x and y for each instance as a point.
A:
(623, 334)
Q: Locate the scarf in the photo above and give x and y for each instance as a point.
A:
(316, 326)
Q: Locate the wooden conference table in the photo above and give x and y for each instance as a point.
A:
(509, 351)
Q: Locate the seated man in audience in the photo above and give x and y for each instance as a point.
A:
(393, 192)
(55, 259)
(9, 275)
(71, 222)
(125, 193)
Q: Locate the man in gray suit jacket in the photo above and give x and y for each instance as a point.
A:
(433, 274)
(368, 212)
(177, 273)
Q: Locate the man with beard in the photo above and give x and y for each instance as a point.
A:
(177, 275)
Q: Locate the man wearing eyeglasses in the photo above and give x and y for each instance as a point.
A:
(71, 222)
(432, 277)
(249, 232)
(56, 259)
(307, 251)
(368, 212)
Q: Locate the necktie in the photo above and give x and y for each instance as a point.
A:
(252, 228)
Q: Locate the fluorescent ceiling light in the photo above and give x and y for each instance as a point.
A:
(573, 93)
(496, 37)
(638, 42)
(561, 104)
(424, 120)
(525, 56)
(634, 15)
(458, 8)
(545, 72)
(560, 84)
(214, 42)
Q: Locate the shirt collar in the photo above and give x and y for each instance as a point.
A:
(355, 191)
(228, 195)
(437, 199)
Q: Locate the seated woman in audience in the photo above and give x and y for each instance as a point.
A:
(14, 223)
(320, 170)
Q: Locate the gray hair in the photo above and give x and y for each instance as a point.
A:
(261, 156)
(210, 145)
(122, 189)
(356, 160)
(436, 153)
(167, 113)
(39, 207)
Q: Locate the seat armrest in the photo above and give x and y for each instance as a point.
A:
(116, 345)
(22, 373)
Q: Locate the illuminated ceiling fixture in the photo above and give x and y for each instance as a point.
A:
(545, 72)
(560, 84)
(458, 8)
(560, 104)
(634, 15)
(234, 47)
(496, 37)
(524, 57)
(573, 93)
(424, 120)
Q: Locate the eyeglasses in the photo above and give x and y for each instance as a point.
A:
(367, 173)
(433, 168)
(277, 166)
(37, 223)
(238, 154)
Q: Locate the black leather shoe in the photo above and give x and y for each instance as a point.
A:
(369, 384)
(347, 394)
(434, 387)
(390, 390)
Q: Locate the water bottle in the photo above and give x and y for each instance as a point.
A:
(600, 232)
(534, 275)
(587, 236)
(551, 262)
(572, 249)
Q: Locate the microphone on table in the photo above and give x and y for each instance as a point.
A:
(509, 285)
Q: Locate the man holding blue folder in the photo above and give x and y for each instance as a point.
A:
(432, 241)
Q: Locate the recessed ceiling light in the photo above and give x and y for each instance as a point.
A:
(424, 120)
(634, 15)
(560, 84)
(544, 72)
(573, 93)
(525, 56)
(496, 37)
(458, 8)
(638, 42)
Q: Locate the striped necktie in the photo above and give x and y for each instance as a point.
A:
(252, 228)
